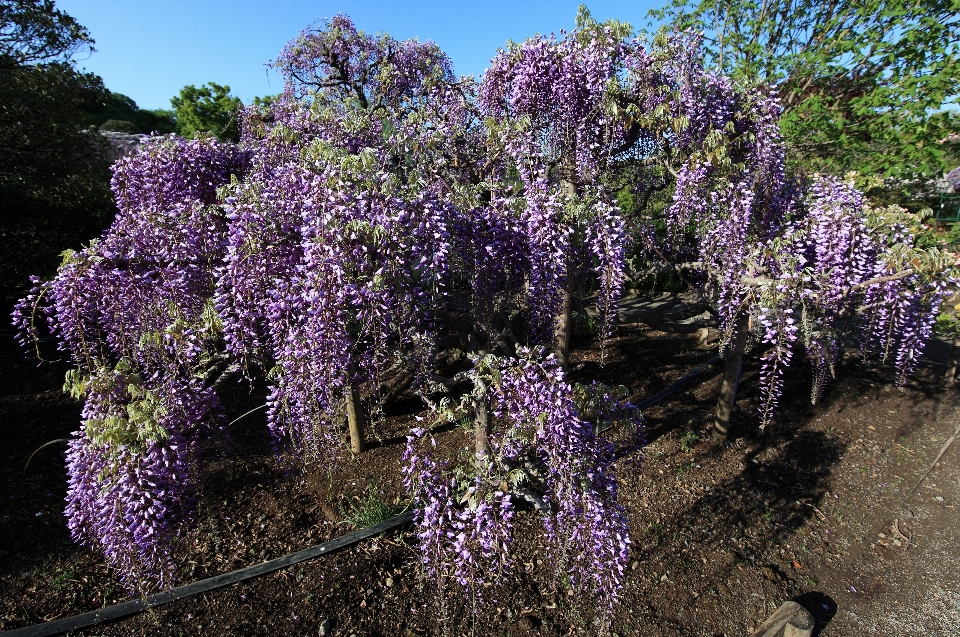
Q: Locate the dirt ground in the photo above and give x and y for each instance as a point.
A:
(815, 508)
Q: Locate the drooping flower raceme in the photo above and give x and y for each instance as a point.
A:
(837, 269)
(540, 437)
(134, 313)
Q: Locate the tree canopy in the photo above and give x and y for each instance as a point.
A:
(209, 108)
(35, 31)
(54, 177)
(119, 109)
(862, 84)
(383, 216)
(384, 226)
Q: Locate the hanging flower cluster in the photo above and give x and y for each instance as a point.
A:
(371, 266)
(838, 269)
(798, 260)
(541, 439)
(464, 528)
(133, 312)
(554, 104)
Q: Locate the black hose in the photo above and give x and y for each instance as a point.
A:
(133, 607)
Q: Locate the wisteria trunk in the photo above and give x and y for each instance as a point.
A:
(730, 382)
(954, 360)
(355, 418)
(562, 331)
(562, 323)
(482, 434)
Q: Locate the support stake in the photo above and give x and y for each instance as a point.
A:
(731, 380)
(355, 418)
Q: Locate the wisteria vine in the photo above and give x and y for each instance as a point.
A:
(383, 214)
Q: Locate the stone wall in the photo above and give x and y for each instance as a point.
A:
(122, 144)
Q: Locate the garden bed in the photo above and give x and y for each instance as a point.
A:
(721, 536)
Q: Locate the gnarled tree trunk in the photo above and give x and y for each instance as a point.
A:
(562, 323)
(562, 331)
(481, 434)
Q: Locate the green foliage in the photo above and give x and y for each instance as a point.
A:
(63, 579)
(589, 27)
(118, 107)
(948, 322)
(119, 126)
(584, 324)
(134, 419)
(689, 440)
(54, 175)
(864, 83)
(929, 256)
(36, 32)
(370, 509)
(264, 103)
(209, 108)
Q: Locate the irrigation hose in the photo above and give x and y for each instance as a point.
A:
(133, 607)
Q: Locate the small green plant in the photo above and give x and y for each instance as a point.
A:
(948, 321)
(63, 579)
(371, 509)
(584, 324)
(689, 440)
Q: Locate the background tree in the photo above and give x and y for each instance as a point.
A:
(119, 112)
(862, 84)
(54, 177)
(35, 32)
(209, 108)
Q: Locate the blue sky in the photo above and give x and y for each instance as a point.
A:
(149, 49)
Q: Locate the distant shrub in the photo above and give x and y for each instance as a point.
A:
(120, 126)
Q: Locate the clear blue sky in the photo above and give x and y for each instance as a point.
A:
(149, 49)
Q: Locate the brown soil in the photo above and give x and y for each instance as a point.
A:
(721, 536)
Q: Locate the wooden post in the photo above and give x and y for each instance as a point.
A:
(731, 380)
(355, 417)
(954, 359)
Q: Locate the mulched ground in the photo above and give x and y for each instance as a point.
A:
(721, 535)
